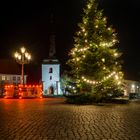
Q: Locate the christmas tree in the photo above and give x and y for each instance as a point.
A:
(95, 58)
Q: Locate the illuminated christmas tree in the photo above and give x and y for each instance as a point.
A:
(95, 58)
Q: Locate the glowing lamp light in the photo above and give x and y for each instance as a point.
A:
(133, 86)
(19, 57)
(23, 50)
(109, 29)
(29, 57)
(26, 55)
(22, 58)
(16, 54)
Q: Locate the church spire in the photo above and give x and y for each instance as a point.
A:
(52, 49)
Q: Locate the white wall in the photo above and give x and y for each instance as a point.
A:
(46, 78)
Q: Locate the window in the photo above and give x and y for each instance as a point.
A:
(8, 78)
(3, 77)
(18, 79)
(14, 78)
(50, 77)
(50, 70)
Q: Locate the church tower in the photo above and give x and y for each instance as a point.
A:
(51, 71)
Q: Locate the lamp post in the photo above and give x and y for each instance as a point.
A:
(22, 57)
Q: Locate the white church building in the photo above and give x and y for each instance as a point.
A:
(51, 72)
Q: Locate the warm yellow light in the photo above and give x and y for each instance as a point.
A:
(105, 78)
(29, 56)
(119, 82)
(89, 6)
(16, 55)
(19, 57)
(103, 59)
(77, 59)
(23, 50)
(104, 68)
(116, 77)
(115, 54)
(109, 29)
(133, 86)
(114, 41)
(26, 55)
(83, 30)
(96, 26)
(104, 18)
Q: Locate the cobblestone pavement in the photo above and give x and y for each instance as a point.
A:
(49, 119)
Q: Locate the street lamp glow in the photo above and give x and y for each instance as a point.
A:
(22, 57)
(133, 86)
(23, 50)
(16, 54)
(26, 55)
(19, 57)
(29, 57)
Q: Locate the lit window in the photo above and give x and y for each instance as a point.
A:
(50, 77)
(50, 70)
(3, 77)
(8, 78)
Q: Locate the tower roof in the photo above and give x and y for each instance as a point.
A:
(52, 50)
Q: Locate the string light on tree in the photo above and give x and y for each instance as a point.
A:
(95, 53)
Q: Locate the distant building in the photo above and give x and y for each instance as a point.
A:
(10, 72)
(51, 72)
(131, 87)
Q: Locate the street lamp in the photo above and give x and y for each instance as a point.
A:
(22, 57)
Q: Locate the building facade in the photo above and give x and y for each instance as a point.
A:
(11, 79)
(51, 72)
(10, 72)
(131, 87)
(51, 77)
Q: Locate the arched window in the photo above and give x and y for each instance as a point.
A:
(50, 70)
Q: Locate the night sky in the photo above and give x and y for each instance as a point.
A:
(28, 23)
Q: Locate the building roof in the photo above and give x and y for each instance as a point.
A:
(8, 66)
(51, 61)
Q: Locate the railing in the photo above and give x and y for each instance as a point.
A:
(23, 91)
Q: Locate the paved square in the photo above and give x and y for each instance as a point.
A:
(51, 119)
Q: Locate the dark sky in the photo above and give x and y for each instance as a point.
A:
(28, 23)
